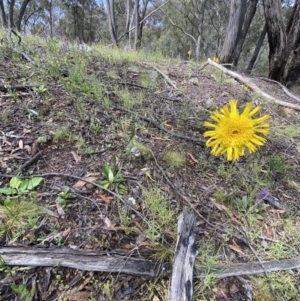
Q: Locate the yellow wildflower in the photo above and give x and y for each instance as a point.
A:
(233, 132)
(216, 60)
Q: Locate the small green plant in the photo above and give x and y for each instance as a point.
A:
(95, 126)
(174, 159)
(162, 221)
(23, 292)
(64, 196)
(126, 98)
(40, 89)
(113, 178)
(284, 286)
(18, 209)
(278, 166)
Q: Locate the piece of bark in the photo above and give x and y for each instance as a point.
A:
(181, 288)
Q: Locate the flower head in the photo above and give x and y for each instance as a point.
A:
(232, 132)
(263, 193)
(216, 60)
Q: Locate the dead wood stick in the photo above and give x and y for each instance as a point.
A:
(169, 81)
(247, 82)
(101, 262)
(17, 88)
(181, 288)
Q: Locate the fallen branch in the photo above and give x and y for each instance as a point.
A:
(169, 81)
(25, 88)
(101, 262)
(181, 288)
(247, 82)
(285, 89)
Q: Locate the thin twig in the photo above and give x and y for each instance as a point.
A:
(162, 74)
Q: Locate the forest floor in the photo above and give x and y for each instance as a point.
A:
(112, 118)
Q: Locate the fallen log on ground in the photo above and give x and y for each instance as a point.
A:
(181, 288)
(247, 82)
(113, 263)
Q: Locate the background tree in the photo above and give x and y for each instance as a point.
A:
(236, 18)
(9, 11)
(284, 41)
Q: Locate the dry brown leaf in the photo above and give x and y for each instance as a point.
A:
(21, 144)
(159, 138)
(76, 157)
(233, 289)
(105, 199)
(60, 211)
(107, 222)
(74, 296)
(28, 149)
(66, 232)
(236, 249)
(81, 183)
(193, 158)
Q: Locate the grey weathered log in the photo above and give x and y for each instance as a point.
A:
(86, 261)
(181, 288)
(111, 262)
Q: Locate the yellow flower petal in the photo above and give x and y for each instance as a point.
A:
(232, 132)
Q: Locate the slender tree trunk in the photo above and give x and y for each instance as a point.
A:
(21, 13)
(257, 49)
(200, 18)
(112, 21)
(237, 13)
(137, 25)
(251, 9)
(127, 25)
(50, 18)
(11, 13)
(276, 37)
(2, 13)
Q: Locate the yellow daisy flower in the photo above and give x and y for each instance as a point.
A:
(216, 60)
(233, 132)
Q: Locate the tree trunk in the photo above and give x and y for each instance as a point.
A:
(50, 18)
(137, 24)
(251, 9)
(21, 14)
(276, 37)
(257, 49)
(200, 18)
(127, 25)
(2, 13)
(11, 13)
(283, 44)
(236, 18)
(112, 21)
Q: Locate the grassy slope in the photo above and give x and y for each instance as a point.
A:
(86, 113)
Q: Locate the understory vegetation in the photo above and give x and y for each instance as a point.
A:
(101, 149)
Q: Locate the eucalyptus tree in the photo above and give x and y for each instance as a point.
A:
(12, 13)
(134, 12)
(284, 40)
(193, 13)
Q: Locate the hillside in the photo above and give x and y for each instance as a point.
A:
(101, 149)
